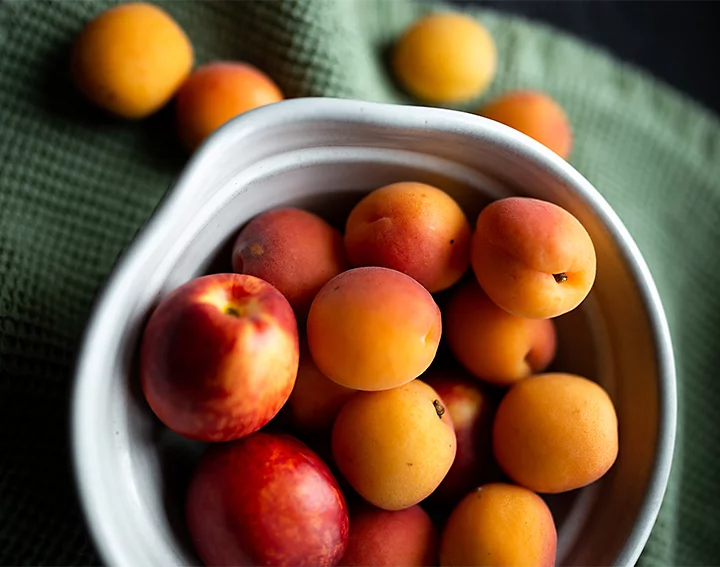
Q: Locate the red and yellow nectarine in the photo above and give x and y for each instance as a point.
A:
(219, 356)
(295, 250)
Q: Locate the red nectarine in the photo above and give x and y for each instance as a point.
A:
(266, 499)
(219, 356)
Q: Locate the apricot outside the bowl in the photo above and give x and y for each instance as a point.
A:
(535, 114)
(218, 92)
(131, 59)
(445, 58)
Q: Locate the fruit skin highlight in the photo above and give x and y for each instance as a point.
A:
(533, 258)
(394, 447)
(499, 525)
(414, 228)
(219, 357)
(445, 58)
(555, 432)
(266, 499)
(373, 329)
(131, 59)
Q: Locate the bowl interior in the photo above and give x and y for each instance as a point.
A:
(133, 472)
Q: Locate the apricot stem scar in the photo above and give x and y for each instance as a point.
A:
(560, 278)
(439, 408)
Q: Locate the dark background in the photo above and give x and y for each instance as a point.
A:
(678, 42)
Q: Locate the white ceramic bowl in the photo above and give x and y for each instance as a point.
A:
(324, 154)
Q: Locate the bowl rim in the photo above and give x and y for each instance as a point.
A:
(392, 116)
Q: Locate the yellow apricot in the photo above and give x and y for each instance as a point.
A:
(499, 525)
(445, 58)
(131, 59)
(373, 329)
(555, 432)
(395, 446)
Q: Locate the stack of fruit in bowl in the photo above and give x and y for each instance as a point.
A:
(382, 396)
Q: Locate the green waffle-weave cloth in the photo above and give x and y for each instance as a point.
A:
(75, 185)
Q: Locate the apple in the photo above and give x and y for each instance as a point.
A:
(472, 409)
(219, 356)
(266, 499)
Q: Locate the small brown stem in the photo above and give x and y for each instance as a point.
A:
(439, 408)
(560, 278)
(232, 312)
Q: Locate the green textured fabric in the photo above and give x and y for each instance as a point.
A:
(75, 185)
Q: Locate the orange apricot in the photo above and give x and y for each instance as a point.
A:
(218, 92)
(492, 344)
(555, 432)
(535, 114)
(386, 538)
(499, 525)
(414, 228)
(315, 400)
(395, 446)
(131, 59)
(445, 58)
(295, 250)
(373, 328)
(533, 258)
